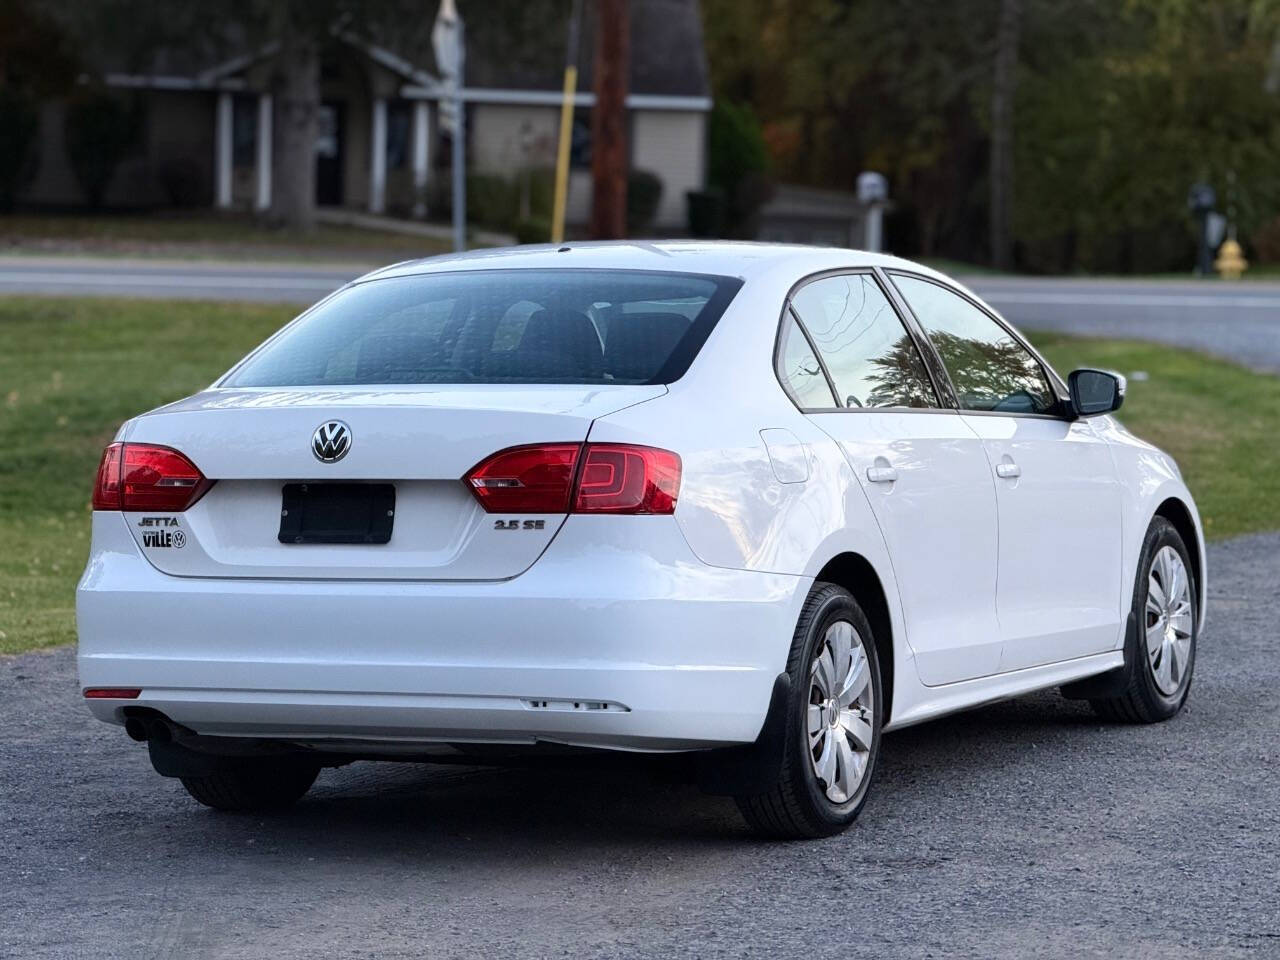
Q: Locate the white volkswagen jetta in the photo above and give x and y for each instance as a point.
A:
(761, 503)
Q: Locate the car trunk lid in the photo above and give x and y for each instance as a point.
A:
(419, 439)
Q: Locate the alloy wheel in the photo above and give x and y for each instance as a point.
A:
(1168, 620)
(840, 714)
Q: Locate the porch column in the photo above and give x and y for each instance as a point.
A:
(378, 156)
(222, 152)
(262, 201)
(421, 156)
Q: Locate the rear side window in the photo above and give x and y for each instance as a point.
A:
(498, 326)
(800, 370)
(871, 358)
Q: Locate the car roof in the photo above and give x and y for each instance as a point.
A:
(717, 257)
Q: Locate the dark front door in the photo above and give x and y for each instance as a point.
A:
(329, 140)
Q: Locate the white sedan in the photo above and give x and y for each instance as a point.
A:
(757, 503)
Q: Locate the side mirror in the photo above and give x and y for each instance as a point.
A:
(1095, 391)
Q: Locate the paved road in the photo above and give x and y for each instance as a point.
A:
(1240, 321)
(181, 279)
(1025, 829)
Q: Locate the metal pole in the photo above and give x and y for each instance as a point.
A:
(459, 172)
(566, 125)
(1204, 255)
(875, 228)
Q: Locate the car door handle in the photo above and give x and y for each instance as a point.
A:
(1008, 471)
(882, 474)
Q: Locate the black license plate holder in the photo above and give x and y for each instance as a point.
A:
(337, 513)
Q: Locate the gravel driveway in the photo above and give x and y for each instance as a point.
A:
(1025, 829)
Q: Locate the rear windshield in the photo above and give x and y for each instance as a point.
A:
(498, 326)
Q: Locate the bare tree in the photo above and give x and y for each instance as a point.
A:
(609, 121)
(1002, 96)
(295, 82)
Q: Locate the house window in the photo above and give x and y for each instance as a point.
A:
(244, 130)
(580, 138)
(399, 125)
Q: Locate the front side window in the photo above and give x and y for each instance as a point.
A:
(498, 326)
(868, 352)
(990, 370)
(800, 370)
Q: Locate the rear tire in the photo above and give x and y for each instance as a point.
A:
(1165, 610)
(832, 736)
(254, 786)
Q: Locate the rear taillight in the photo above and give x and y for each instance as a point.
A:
(622, 478)
(534, 479)
(577, 478)
(143, 476)
(106, 489)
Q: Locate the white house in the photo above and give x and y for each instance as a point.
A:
(207, 124)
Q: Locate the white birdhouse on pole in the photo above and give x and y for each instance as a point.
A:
(447, 40)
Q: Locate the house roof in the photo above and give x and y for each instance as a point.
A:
(667, 55)
(513, 45)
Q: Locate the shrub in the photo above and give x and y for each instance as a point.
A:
(183, 182)
(491, 201)
(100, 131)
(19, 119)
(533, 230)
(1266, 241)
(705, 213)
(494, 201)
(542, 191)
(738, 166)
(644, 193)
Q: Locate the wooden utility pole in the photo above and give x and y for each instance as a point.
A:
(609, 120)
(561, 199)
(1003, 89)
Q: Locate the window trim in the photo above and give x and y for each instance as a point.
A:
(1057, 385)
(940, 397)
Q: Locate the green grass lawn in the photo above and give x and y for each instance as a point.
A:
(1219, 421)
(201, 235)
(72, 370)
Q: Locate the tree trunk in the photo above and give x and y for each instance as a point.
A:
(1002, 97)
(296, 88)
(609, 121)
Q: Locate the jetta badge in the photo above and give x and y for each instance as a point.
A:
(331, 441)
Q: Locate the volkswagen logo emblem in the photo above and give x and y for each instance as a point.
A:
(331, 441)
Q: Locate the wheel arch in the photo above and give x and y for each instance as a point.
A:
(855, 573)
(1179, 514)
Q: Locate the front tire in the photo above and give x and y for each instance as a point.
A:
(833, 720)
(1164, 608)
(251, 786)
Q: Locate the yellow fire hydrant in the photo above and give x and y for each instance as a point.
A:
(1231, 262)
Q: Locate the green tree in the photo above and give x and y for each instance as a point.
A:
(1102, 111)
(738, 166)
(101, 128)
(35, 62)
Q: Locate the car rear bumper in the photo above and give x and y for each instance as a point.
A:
(617, 637)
